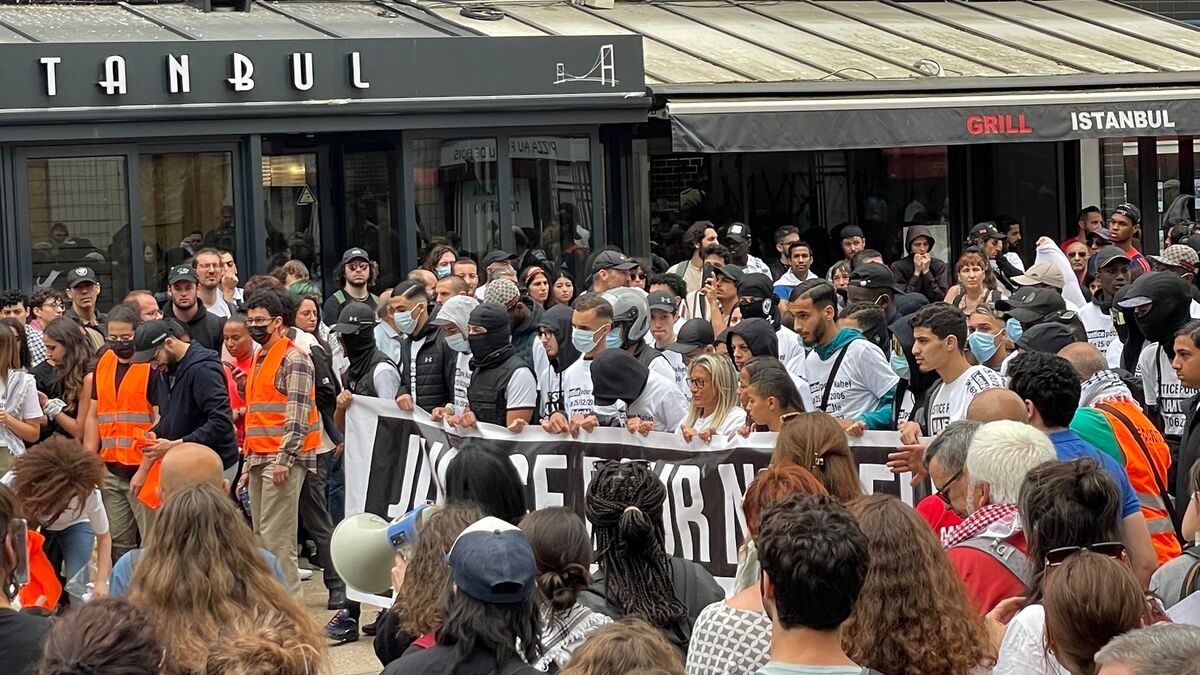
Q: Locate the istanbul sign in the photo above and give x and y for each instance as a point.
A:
(199, 75)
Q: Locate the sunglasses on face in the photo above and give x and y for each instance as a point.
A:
(1078, 254)
(1110, 549)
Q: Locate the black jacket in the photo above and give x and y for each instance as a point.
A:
(934, 283)
(205, 329)
(327, 390)
(524, 335)
(693, 586)
(196, 408)
(759, 335)
(435, 368)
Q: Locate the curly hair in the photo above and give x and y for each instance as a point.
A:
(418, 601)
(53, 474)
(623, 647)
(266, 643)
(625, 506)
(107, 636)
(816, 442)
(913, 615)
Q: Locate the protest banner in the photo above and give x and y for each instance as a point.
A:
(395, 460)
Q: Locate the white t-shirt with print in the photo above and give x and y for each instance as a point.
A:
(660, 402)
(863, 378)
(951, 401)
(735, 419)
(662, 366)
(681, 371)
(1099, 326)
(1169, 395)
(790, 348)
(462, 380)
(577, 388)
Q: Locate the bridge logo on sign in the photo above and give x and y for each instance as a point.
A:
(603, 70)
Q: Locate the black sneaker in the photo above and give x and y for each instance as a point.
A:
(342, 628)
(369, 629)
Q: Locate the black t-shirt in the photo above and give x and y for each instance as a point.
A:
(439, 659)
(21, 636)
(122, 368)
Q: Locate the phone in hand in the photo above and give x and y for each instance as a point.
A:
(706, 274)
(18, 530)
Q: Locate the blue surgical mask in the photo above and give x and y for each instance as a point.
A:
(613, 339)
(405, 321)
(1014, 329)
(442, 272)
(982, 345)
(899, 364)
(459, 343)
(583, 339)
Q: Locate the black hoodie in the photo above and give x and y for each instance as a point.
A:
(759, 335)
(204, 328)
(196, 409)
(524, 334)
(558, 320)
(934, 283)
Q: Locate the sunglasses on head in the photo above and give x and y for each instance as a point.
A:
(1110, 549)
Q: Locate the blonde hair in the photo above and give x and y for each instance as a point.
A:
(267, 643)
(202, 573)
(724, 380)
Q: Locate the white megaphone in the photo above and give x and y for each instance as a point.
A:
(364, 546)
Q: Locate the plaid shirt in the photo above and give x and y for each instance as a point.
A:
(36, 343)
(295, 380)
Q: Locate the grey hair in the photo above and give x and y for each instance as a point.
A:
(950, 446)
(1157, 648)
(1000, 455)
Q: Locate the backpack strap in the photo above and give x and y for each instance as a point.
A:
(340, 296)
(1191, 582)
(1008, 555)
(1158, 481)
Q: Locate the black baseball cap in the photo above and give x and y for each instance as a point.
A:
(852, 231)
(612, 260)
(1030, 303)
(986, 230)
(874, 275)
(693, 334)
(1108, 254)
(1047, 337)
(182, 273)
(354, 317)
(355, 253)
(150, 335)
(81, 275)
(731, 272)
(495, 257)
(1130, 211)
(737, 232)
(662, 301)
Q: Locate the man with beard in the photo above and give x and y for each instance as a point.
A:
(196, 407)
(185, 307)
(210, 271)
(356, 274)
(1112, 270)
(1159, 301)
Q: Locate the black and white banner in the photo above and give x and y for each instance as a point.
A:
(395, 460)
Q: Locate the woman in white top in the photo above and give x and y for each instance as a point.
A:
(21, 416)
(56, 481)
(714, 410)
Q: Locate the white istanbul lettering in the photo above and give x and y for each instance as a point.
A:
(302, 71)
(114, 75)
(179, 74)
(51, 77)
(356, 76)
(1122, 119)
(242, 78)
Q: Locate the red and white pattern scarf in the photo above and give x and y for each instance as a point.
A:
(998, 520)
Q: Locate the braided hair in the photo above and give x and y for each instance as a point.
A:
(625, 507)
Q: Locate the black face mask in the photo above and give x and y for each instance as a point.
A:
(259, 334)
(757, 309)
(1169, 312)
(122, 348)
(358, 344)
(485, 344)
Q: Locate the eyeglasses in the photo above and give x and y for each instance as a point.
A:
(259, 321)
(697, 383)
(1110, 549)
(943, 493)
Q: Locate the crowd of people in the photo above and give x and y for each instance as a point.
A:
(173, 468)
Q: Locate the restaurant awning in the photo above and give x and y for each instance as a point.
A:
(805, 74)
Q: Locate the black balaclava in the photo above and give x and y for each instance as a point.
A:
(558, 320)
(765, 306)
(359, 347)
(1127, 329)
(1169, 313)
(493, 347)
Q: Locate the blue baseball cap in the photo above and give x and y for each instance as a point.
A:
(492, 562)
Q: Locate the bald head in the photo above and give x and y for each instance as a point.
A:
(191, 463)
(1084, 358)
(997, 404)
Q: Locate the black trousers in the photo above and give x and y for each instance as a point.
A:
(314, 515)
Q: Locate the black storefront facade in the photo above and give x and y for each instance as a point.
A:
(116, 155)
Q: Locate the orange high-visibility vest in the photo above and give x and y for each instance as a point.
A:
(123, 414)
(266, 406)
(1144, 461)
(43, 589)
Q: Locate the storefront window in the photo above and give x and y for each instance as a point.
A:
(455, 194)
(187, 204)
(79, 216)
(367, 178)
(552, 199)
(907, 188)
(292, 218)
